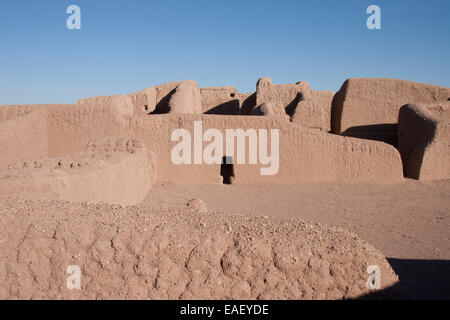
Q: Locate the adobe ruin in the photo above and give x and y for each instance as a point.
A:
(78, 175)
(323, 137)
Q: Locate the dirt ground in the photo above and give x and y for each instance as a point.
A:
(253, 242)
(408, 222)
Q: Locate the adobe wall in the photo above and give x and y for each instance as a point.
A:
(144, 101)
(424, 135)
(283, 96)
(115, 177)
(315, 113)
(24, 135)
(305, 155)
(368, 108)
(220, 100)
(247, 102)
(156, 99)
(186, 99)
(122, 104)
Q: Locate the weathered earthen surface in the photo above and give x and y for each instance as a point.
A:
(220, 100)
(9, 112)
(122, 104)
(23, 136)
(145, 253)
(269, 109)
(247, 102)
(197, 205)
(154, 99)
(144, 101)
(315, 113)
(423, 140)
(305, 155)
(186, 99)
(368, 108)
(284, 97)
(113, 171)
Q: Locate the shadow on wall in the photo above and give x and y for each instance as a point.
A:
(336, 109)
(290, 108)
(227, 108)
(163, 106)
(248, 104)
(386, 132)
(419, 279)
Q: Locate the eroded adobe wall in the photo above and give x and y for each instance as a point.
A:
(8, 112)
(368, 108)
(24, 135)
(186, 99)
(71, 128)
(114, 171)
(220, 100)
(247, 102)
(424, 135)
(283, 97)
(305, 155)
(122, 252)
(315, 113)
(144, 101)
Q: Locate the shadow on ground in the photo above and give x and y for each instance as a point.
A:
(419, 280)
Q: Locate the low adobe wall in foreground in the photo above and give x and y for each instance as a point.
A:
(146, 253)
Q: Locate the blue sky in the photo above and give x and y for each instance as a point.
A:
(125, 46)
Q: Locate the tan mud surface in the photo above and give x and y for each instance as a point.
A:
(148, 253)
(409, 220)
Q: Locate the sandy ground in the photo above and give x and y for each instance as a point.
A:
(408, 222)
(253, 242)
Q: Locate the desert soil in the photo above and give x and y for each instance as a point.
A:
(252, 242)
(408, 222)
(139, 252)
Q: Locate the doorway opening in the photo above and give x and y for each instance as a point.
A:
(227, 170)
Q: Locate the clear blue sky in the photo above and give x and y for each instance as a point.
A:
(127, 45)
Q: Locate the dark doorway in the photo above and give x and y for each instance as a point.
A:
(227, 170)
